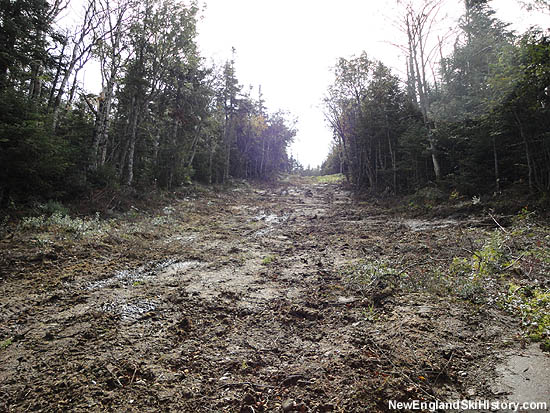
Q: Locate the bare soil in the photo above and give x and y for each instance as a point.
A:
(245, 300)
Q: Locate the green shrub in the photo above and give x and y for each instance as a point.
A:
(532, 304)
(64, 223)
(53, 207)
(269, 260)
(36, 223)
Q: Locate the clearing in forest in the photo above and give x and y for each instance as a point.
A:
(289, 297)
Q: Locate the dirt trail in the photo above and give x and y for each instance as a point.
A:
(243, 301)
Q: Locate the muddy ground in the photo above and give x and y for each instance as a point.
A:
(290, 297)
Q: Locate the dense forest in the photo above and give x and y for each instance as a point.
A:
(476, 120)
(162, 116)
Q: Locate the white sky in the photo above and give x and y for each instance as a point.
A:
(289, 46)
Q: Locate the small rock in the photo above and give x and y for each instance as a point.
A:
(288, 405)
(346, 300)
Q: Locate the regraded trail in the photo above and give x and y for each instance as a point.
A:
(291, 297)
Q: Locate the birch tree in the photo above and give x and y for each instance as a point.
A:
(418, 23)
(80, 42)
(111, 49)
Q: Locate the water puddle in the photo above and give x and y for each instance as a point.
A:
(271, 218)
(178, 268)
(262, 232)
(182, 238)
(130, 310)
(168, 268)
(417, 225)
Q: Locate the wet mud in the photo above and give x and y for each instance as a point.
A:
(243, 301)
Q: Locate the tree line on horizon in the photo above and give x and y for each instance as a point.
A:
(476, 120)
(162, 116)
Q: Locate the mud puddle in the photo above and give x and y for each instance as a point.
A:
(146, 273)
(417, 225)
(271, 220)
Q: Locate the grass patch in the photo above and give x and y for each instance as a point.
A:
(374, 277)
(270, 259)
(330, 179)
(6, 343)
(57, 222)
(367, 272)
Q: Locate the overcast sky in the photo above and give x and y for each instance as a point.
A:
(289, 46)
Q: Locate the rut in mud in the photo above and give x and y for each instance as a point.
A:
(245, 300)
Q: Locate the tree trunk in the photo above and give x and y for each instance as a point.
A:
(64, 81)
(129, 178)
(263, 157)
(392, 156)
(495, 158)
(101, 127)
(227, 152)
(210, 158)
(74, 86)
(94, 161)
(105, 125)
(435, 161)
(527, 151)
(36, 82)
(194, 147)
(57, 75)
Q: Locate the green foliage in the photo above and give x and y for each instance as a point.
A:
(33, 160)
(532, 305)
(162, 118)
(467, 277)
(59, 223)
(6, 343)
(330, 179)
(523, 217)
(104, 176)
(269, 259)
(365, 107)
(52, 207)
(485, 119)
(491, 258)
(160, 220)
(333, 164)
(33, 223)
(369, 272)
